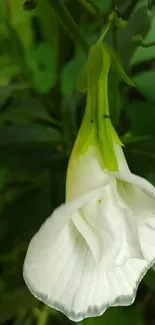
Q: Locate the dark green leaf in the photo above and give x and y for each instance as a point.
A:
(5, 93)
(69, 24)
(144, 54)
(149, 279)
(118, 66)
(141, 157)
(142, 116)
(25, 111)
(42, 64)
(27, 135)
(139, 23)
(12, 303)
(117, 315)
(145, 83)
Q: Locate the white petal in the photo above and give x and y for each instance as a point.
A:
(140, 182)
(91, 235)
(50, 232)
(140, 201)
(124, 280)
(85, 173)
(105, 220)
(146, 227)
(111, 227)
(60, 268)
(122, 163)
(68, 279)
(99, 221)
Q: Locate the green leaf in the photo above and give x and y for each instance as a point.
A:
(69, 24)
(141, 115)
(104, 5)
(27, 135)
(18, 51)
(12, 303)
(149, 279)
(92, 7)
(69, 73)
(2, 10)
(31, 146)
(41, 62)
(23, 111)
(5, 93)
(117, 315)
(141, 157)
(36, 204)
(145, 83)
(3, 177)
(138, 23)
(69, 123)
(8, 70)
(20, 22)
(38, 157)
(144, 54)
(46, 20)
(118, 66)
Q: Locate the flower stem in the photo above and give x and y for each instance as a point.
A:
(69, 24)
(92, 7)
(114, 37)
(43, 315)
(139, 40)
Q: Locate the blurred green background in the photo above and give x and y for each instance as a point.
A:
(40, 114)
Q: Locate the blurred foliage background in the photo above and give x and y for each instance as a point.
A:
(40, 114)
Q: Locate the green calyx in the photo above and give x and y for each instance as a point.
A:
(97, 129)
(104, 128)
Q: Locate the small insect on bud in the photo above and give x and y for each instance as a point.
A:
(30, 4)
(106, 116)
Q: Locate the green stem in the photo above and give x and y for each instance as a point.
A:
(69, 24)
(114, 37)
(95, 6)
(43, 315)
(114, 18)
(105, 31)
(92, 7)
(138, 39)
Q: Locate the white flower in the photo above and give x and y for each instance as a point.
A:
(94, 250)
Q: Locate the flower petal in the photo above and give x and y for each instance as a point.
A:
(99, 221)
(54, 225)
(122, 163)
(133, 179)
(60, 268)
(67, 278)
(108, 228)
(50, 269)
(124, 280)
(140, 201)
(85, 173)
(91, 236)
